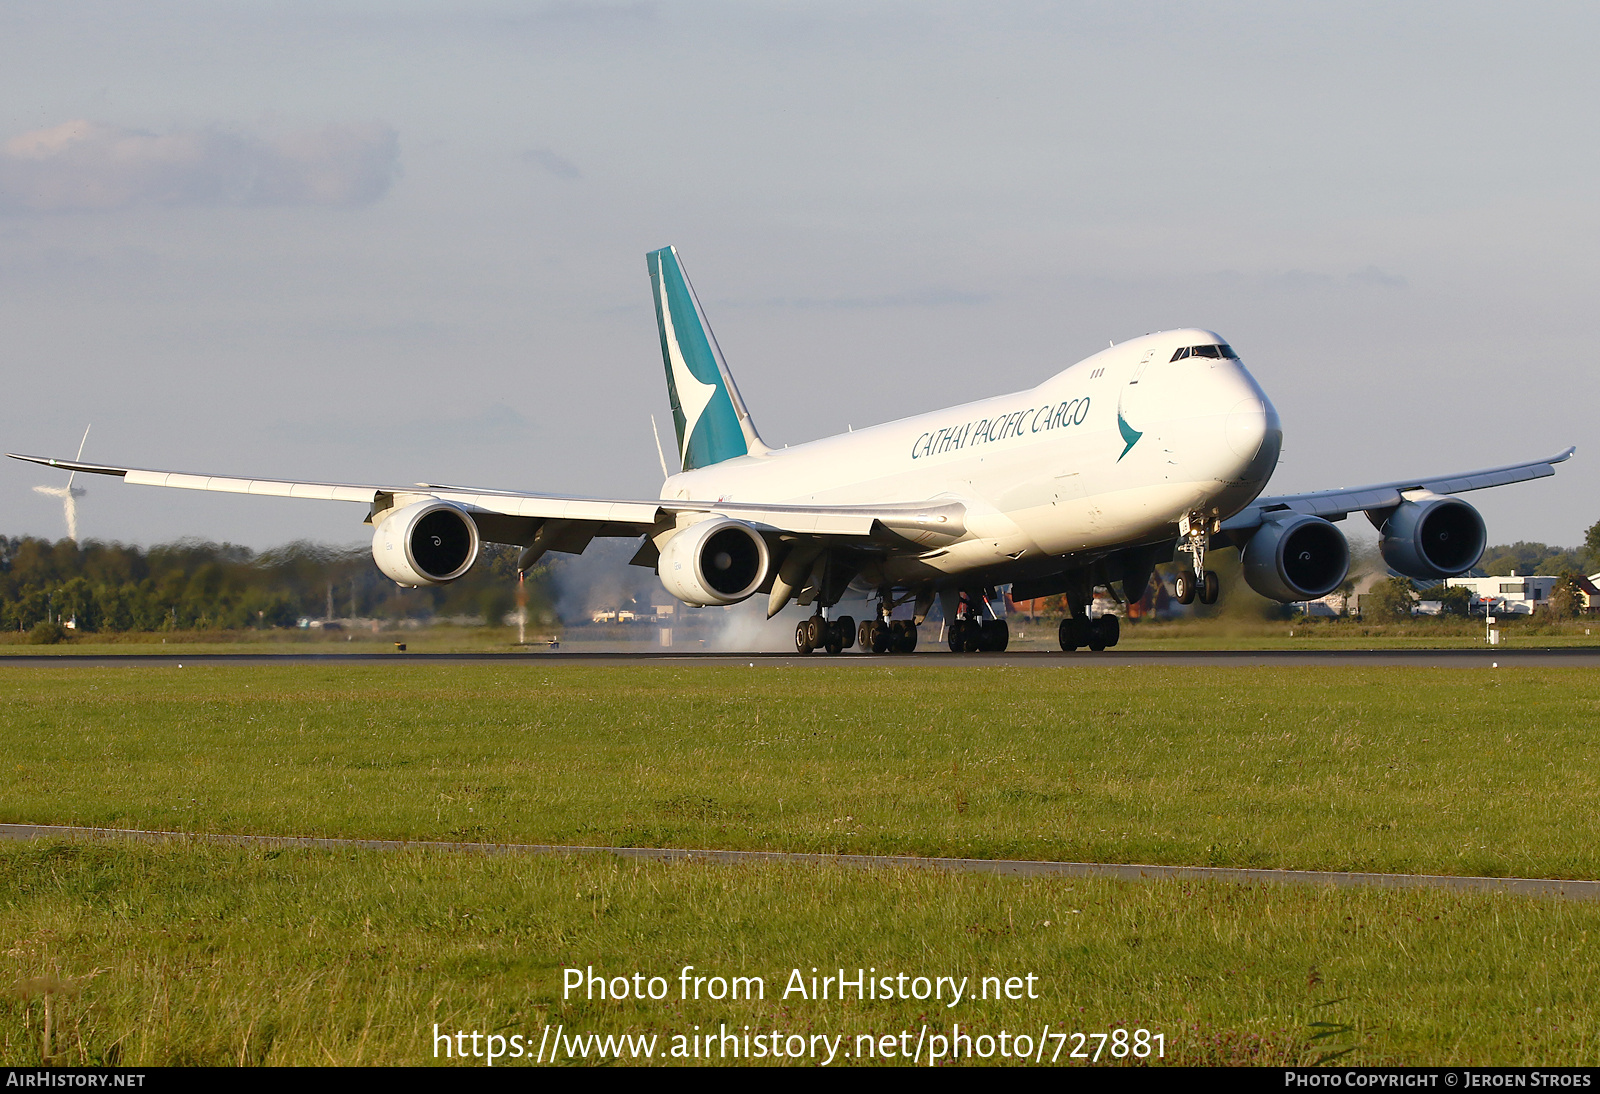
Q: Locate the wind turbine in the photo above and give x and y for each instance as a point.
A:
(69, 494)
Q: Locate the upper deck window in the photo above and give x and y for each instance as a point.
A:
(1206, 351)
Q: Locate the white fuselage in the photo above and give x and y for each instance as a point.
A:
(1109, 452)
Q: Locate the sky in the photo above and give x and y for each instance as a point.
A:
(396, 242)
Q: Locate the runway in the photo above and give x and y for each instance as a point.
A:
(1567, 890)
(1484, 658)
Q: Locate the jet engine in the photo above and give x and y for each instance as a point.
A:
(1297, 558)
(717, 561)
(429, 543)
(1434, 538)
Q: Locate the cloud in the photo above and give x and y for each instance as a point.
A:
(84, 165)
(1377, 278)
(558, 166)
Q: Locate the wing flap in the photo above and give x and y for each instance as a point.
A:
(552, 507)
(278, 488)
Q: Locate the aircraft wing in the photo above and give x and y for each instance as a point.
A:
(1338, 504)
(561, 523)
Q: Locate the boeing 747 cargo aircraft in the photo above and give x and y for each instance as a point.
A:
(1152, 450)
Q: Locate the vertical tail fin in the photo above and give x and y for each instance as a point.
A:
(712, 422)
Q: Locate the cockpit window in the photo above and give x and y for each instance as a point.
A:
(1206, 351)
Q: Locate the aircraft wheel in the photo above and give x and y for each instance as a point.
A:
(1097, 634)
(908, 638)
(1210, 587)
(881, 637)
(1183, 589)
(864, 636)
(1110, 630)
(833, 645)
(816, 631)
(802, 637)
(955, 635)
(999, 635)
(1067, 635)
(847, 631)
(972, 637)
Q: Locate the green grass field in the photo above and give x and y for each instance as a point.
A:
(197, 953)
(1407, 770)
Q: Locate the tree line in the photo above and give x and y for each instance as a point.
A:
(193, 585)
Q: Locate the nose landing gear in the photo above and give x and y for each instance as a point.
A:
(1197, 582)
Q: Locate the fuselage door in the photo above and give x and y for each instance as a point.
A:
(1131, 400)
(1139, 370)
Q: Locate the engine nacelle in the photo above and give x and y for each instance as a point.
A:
(429, 543)
(717, 561)
(1297, 558)
(1435, 538)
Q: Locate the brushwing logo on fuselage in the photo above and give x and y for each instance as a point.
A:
(1130, 435)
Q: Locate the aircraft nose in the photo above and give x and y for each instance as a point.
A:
(1246, 427)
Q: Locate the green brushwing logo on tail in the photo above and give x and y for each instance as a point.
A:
(702, 410)
(1130, 435)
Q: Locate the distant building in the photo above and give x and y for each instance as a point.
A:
(1512, 595)
(1589, 588)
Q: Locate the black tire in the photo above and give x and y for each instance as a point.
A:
(972, 637)
(864, 636)
(908, 638)
(1110, 630)
(955, 635)
(1210, 587)
(847, 631)
(1097, 634)
(1183, 589)
(816, 631)
(1000, 635)
(802, 637)
(881, 637)
(1067, 635)
(833, 645)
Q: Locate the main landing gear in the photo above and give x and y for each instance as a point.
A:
(833, 635)
(888, 636)
(1098, 634)
(1196, 582)
(1078, 630)
(881, 634)
(970, 632)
